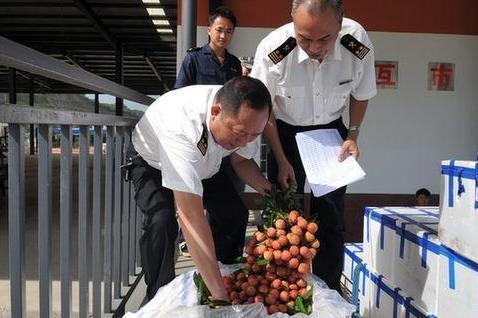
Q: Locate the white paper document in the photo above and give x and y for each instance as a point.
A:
(319, 150)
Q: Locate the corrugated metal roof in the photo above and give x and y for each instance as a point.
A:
(86, 33)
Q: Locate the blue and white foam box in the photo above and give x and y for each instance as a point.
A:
(458, 285)
(353, 255)
(377, 297)
(458, 227)
(387, 300)
(401, 244)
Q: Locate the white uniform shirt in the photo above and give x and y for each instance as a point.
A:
(305, 92)
(169, 131)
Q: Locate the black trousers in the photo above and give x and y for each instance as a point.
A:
(226, 213)
(328, 209)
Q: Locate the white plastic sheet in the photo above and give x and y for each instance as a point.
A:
(179, 299)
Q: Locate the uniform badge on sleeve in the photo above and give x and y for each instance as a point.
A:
(202, 143)
(283, 50)
(354, 46)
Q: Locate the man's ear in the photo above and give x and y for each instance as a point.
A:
(215, 109)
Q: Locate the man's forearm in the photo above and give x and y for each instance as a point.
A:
(357, 113)
(200, 243)
(250, 173)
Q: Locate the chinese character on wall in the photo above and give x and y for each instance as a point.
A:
(441, 76)
(386, 74)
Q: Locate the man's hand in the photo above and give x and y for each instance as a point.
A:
(349, 147)
(198, 236)
(286, 175)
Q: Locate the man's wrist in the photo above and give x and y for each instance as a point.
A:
(353, 132)
(354, 128)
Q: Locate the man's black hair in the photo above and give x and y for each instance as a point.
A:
(423, 191)
(222, 12)
(243, 90)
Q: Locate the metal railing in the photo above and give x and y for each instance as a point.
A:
(112, 200)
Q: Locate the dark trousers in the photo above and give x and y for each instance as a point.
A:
(226, 213)
(328, 209)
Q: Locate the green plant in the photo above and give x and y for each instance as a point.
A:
(277, 203)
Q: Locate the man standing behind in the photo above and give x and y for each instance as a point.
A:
(212, 63)
(311, 67)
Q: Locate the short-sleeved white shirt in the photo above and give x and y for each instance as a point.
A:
(167, 138)
(305, 92)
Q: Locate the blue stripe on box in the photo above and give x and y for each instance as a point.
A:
(353, 255)
(379, 283)
(446, 170)
(456, 171)
(429, 213)
(453, 258)
(476, 184)
(412, 221)
(401, 231)
(358, 246)
(452, 171)
(367, 216)
(395, 302)
(394, 294)
(424, 249)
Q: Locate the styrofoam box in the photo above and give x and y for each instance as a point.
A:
(381, 240)
(353, 255)
(458, 286)
(459, 207)
(416, 261)
(380, 299)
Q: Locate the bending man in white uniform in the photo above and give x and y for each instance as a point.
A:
(311, 67)
(179, 144)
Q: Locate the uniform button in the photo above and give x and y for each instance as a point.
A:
(317, 117)
(317, 94)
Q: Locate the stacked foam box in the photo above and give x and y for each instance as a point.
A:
(377, 297)
(401, 253)
(422, 262)
(458, 233)
(459, 207)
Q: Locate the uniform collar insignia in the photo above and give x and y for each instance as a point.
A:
(283, 50)
(202, 143)
(354, 46)
(193, 49)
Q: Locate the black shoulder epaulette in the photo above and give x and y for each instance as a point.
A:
(202, 143)
(354, 46)
(285, 48)
(192, 49)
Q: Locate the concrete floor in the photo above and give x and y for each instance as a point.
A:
(31, 235)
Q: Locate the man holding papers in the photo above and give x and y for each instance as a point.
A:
(311, 67)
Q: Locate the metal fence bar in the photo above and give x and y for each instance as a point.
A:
(126, 214)
(65, 220)
(44, 219)
(109, 200)
(16, 215)
(117, 215)
(83, 212)
(96, 262)
(132, 232)
(25, 114)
